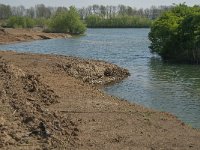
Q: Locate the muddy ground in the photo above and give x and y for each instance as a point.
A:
(55, 102)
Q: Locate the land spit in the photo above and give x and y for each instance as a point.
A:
(10, 35)
(55, 102)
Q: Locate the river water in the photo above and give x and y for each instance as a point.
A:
(154, 84)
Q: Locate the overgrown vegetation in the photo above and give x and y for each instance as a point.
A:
(20, 22)
(24, 22)
(176, 34)
(64, 21)
(67, 22)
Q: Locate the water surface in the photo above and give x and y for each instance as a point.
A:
(165, 87)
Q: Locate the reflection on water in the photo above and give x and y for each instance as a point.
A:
(181, 84)
(166, 87)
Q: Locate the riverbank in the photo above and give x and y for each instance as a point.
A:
(10, 35)
(52, 101)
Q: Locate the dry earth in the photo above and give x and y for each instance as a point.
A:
(56, 102)
(53, 102)
(9, 35)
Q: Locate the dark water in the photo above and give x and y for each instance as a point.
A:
(165, 87)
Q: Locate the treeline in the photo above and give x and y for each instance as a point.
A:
(108, 12)
(60, 20)
(20, 16)
(93, 16)
(95, 21)
(120, 16)
(176, 34)
(41, 11)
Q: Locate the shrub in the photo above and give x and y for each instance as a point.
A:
(95, 21)
(67, 22)
(176, 34)
(41, 22)
(20, 22)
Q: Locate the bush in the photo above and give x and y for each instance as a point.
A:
(95, 21)
(41, 22)
(20, 22)
(176, 34)
(67, 22)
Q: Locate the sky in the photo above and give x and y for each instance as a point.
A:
(85, 3)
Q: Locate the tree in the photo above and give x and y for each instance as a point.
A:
(67, 22)
(30, 12)
(95, 21)
(175, 35)
(5, 11)
(42, 11)
(18, 11)
(102, 11)
(61, 9)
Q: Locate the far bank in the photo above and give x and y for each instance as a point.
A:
(10, 35)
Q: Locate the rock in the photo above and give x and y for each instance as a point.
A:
(45, 37)
(2, 31)
(93, 72)
(2, 121)
(108, 72)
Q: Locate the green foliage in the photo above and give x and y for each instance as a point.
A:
(41, 22)
(67, 22)
(176, 34)
(62, 22)
(20, 22)
(95, 21)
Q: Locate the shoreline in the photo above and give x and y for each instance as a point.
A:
(52, 101)
(10, 35)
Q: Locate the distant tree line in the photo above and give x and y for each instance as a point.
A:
(95, 21)
(51, 19)
(108, 12)
(120, 16)
(93, 16)
(175, 35)
(41, 11)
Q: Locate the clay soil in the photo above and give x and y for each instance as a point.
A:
(57, 102)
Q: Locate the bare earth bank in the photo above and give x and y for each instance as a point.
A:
(10, 35)
(52, 102)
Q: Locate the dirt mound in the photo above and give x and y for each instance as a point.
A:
(34, 88)
(25, 118)
(93, 72)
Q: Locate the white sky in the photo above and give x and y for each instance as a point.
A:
(83, 3)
